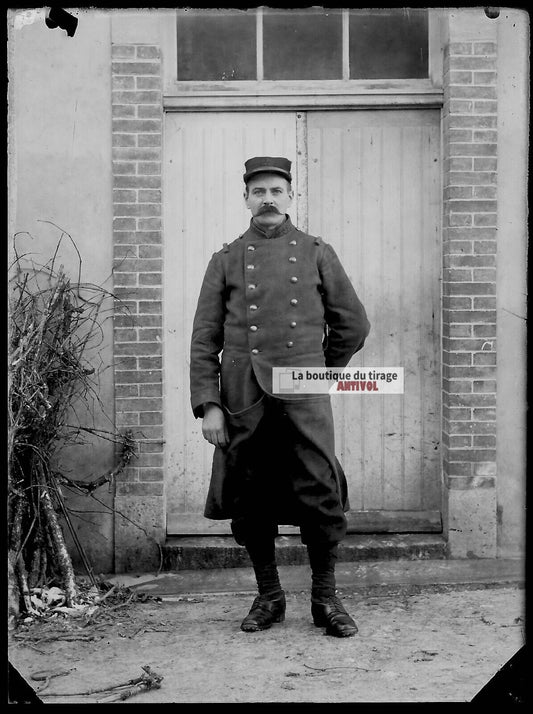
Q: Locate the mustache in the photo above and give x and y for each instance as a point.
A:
(268, 209)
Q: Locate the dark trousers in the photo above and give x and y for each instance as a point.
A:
(283, 470)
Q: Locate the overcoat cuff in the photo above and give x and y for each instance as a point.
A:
(197, 403)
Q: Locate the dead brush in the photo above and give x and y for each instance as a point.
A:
(53, 324)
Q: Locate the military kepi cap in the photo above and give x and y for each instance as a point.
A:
(267, 164)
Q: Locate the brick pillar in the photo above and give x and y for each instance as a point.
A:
(469, 297)
(138, 330)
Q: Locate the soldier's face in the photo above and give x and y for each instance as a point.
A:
(268, 197)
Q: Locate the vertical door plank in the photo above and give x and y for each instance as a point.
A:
(372, 234)
(351, 413)
(431, 272)
(392, 339)
(412, 314)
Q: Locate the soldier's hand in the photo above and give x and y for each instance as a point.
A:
(214, 426)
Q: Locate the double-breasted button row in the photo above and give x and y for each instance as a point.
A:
(294, 301)
(252, 286)
(293, 279)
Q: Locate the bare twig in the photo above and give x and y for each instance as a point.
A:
(340, 666)
(137, 631)
(81, 549)
(111, 591)
(94, 616)
(33, 647)
(47, 675)
(121, 604)
(148, 680)
(53, 324)
(128, 450)
(122, 515)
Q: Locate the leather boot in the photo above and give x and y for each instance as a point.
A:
(265, 610)
(330, 613)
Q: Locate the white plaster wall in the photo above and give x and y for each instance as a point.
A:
(471, 25)
(513, 137)
(60, 171)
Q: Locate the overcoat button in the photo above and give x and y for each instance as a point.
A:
(290, 344)
(294, 301)
(294, 279)
(250, 267)
(253, 328)
(292, 242)
(255, 352)
(292, 259)
(253, 307)
(293, 324)
(251, 286)
(251, 247)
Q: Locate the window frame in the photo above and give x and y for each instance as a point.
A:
(302, 94)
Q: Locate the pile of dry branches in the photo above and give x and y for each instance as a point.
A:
(52, 324)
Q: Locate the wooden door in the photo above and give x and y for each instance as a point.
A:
(204, 208)
(368, 182)
(374, 194)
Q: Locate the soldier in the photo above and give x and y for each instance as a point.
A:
(275, 297)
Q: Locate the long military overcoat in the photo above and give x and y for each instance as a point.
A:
(278, 301)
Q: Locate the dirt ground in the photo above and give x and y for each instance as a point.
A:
(426, 647)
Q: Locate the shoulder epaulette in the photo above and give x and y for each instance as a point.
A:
(317, 240)
(225, 247)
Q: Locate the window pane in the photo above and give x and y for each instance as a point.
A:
(302, 44)
(216, 45)
(388, 44)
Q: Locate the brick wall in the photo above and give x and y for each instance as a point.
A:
(137, 268)
(469, 296)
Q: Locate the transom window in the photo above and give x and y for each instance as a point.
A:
(263, 44)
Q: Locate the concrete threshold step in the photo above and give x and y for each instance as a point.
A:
(208, 552)
(361, 579)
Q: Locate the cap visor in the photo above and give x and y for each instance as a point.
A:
(268, 170)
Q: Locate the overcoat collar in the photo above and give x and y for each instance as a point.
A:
(281, 230)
